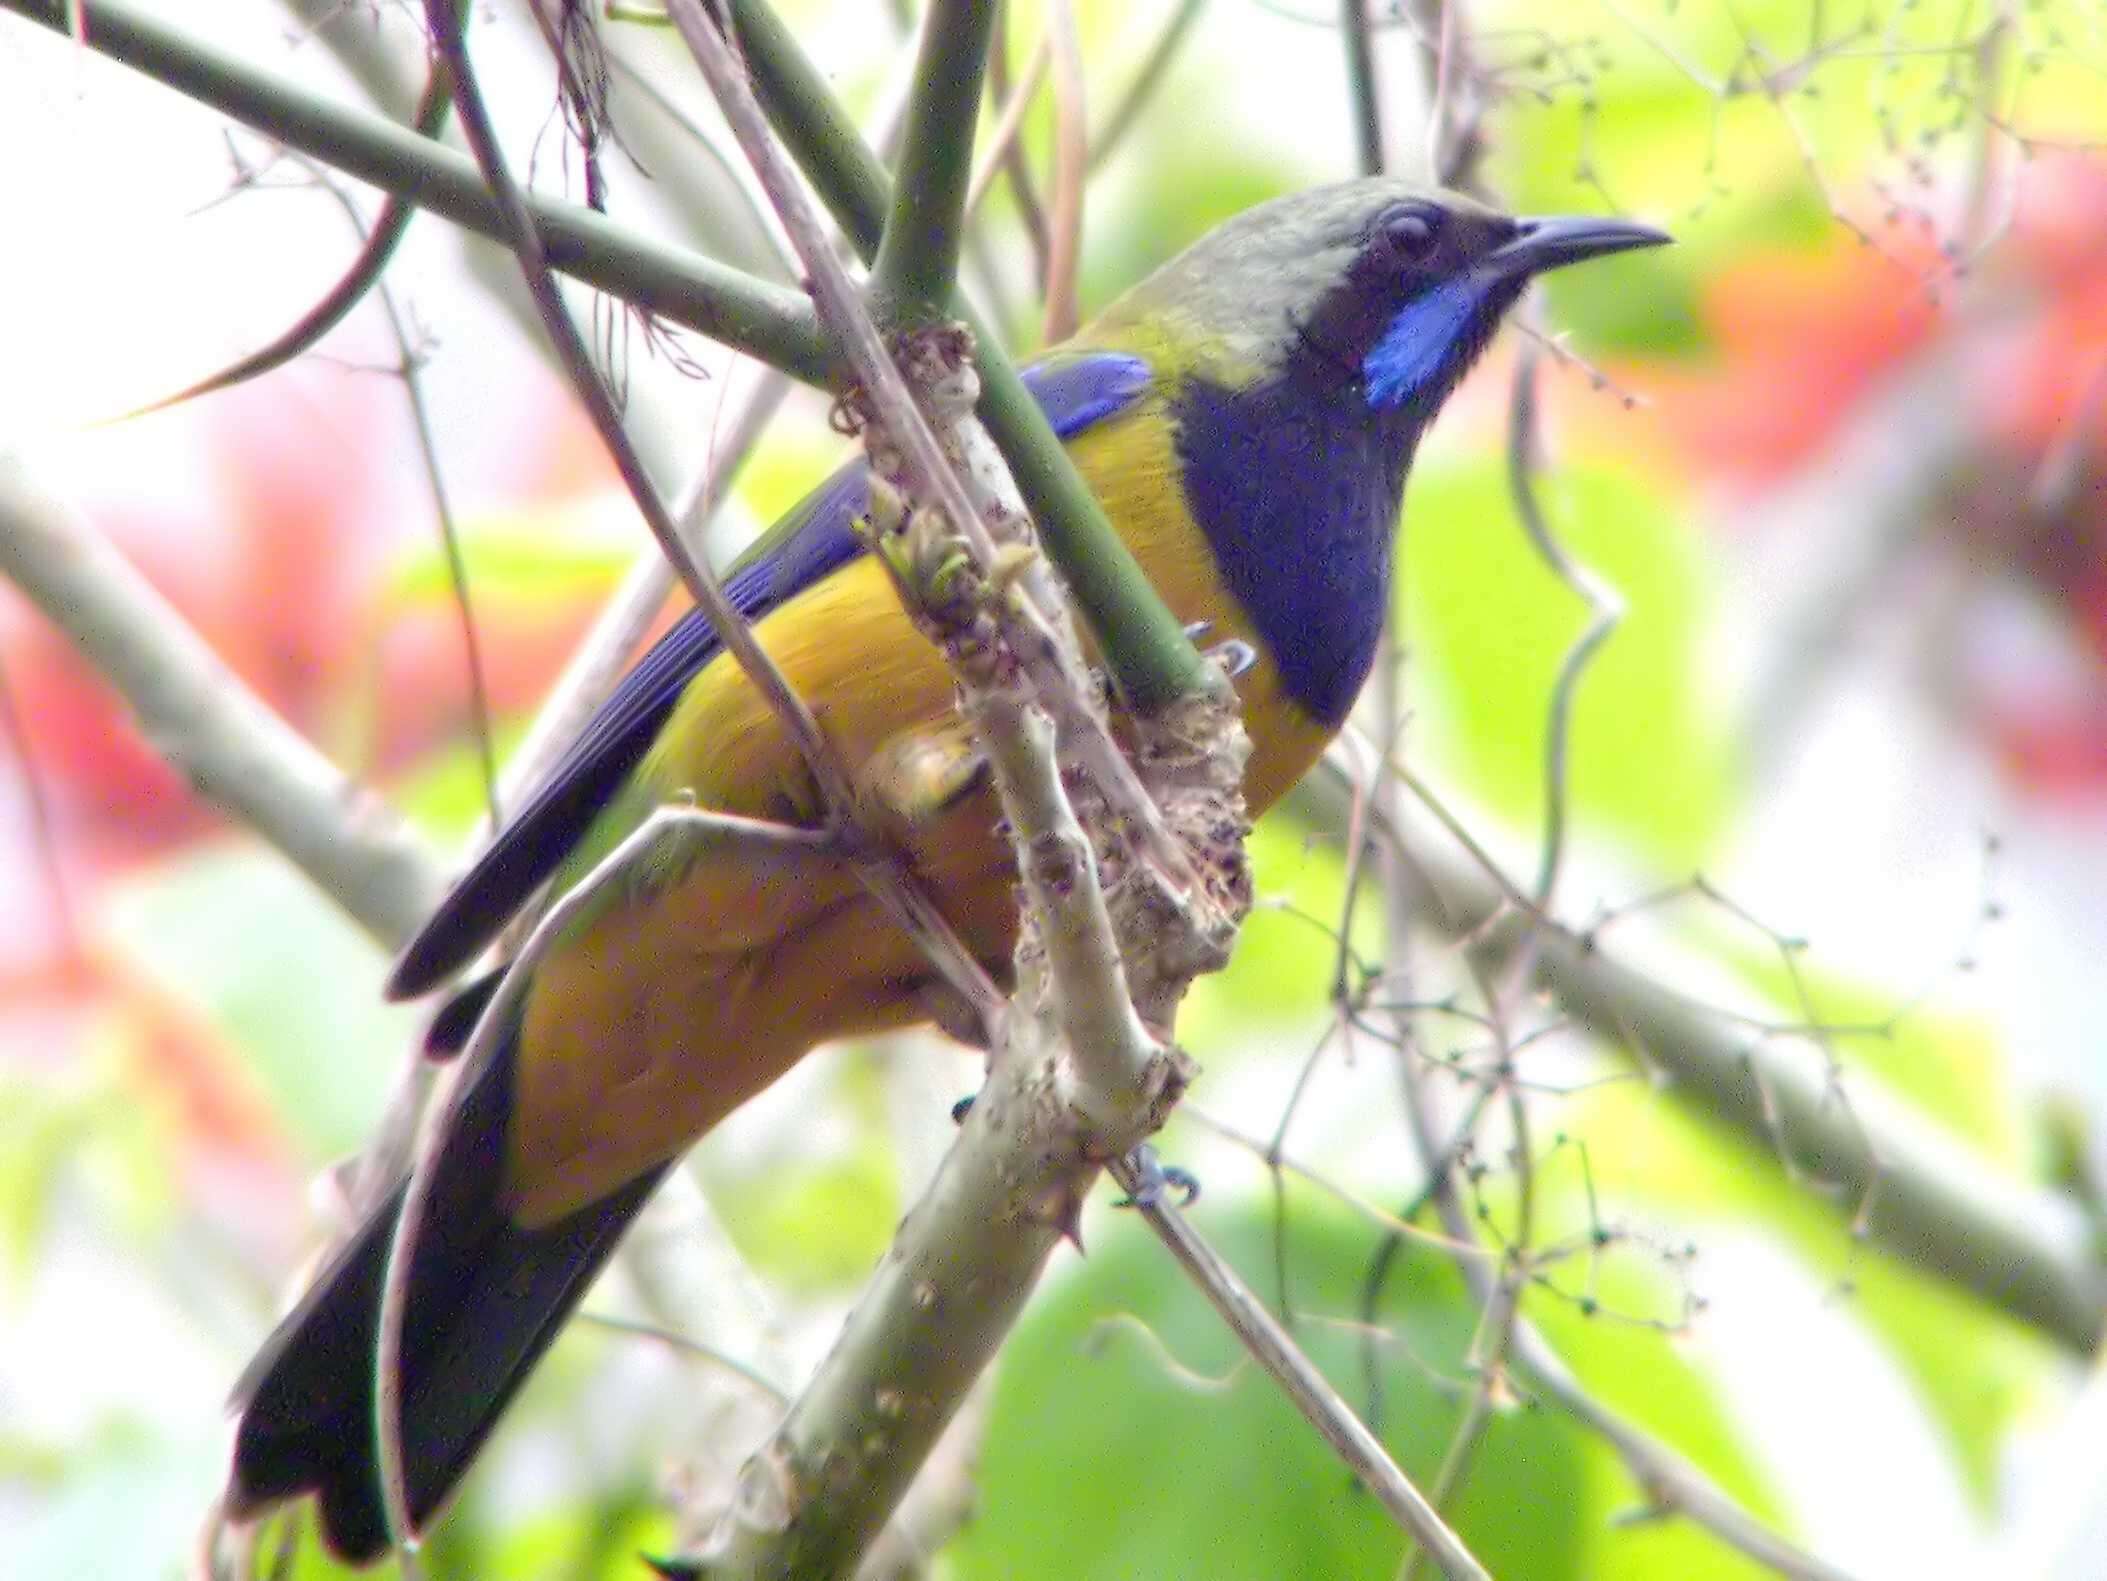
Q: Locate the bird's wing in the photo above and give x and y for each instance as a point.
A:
(1074, 390)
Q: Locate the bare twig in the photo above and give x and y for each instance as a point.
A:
(599, 660)
(687, 1346)
(525, 237)
(1070, 961)
(407, 368)
(1320, 1405)
(1364, 93)
(1144, 645)
(1148, 81)
(376, 250)
(941, 1501)
(768, 321)
(2021, 1250)
(1605, 606)
(1005, 150)
(1004, 155)
(1064, 255)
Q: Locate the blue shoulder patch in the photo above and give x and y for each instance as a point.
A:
(1074, 390)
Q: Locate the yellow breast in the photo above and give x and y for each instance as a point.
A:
(678, 1003)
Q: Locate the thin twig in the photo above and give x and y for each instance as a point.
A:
(1145, 646)
(1501, 1309)
(901, 896)
(1363, 92)
(766, 321)
(1051, 662)
(1003, 153)
(1148, 81)
(526, 240)
(1312, 1395)
(1605, 607)
(377, 249)
(1071, 155)
(407, 369)
(775, 1392)
(1005, 149)
(2023, 1251)
(601, 658)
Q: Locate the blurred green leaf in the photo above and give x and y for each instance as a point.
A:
(1122, 1396)
(1187, 188)
(547, 555)
(84, 1123)
(1288, 949)
(230, 929)
(1640, 304)
(1490, 625)
(817, 1218)
(446, 793)
(1975, 1369)
(129, 1506)
(597, 1540)
(1950, 1068)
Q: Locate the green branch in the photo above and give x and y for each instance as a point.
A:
(1144, 645)
(769, 322)
(915, 274)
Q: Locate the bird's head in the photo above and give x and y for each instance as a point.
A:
(1388, 288)
(1300, 350)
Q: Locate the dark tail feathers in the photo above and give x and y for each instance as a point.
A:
(485, 1299)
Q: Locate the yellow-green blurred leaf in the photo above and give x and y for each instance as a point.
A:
(1491, 625)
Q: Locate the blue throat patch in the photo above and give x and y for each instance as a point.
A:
(1416, 351)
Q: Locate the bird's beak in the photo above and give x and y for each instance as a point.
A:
(1540, 244)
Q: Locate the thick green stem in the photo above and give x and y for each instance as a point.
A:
(769, 322)
(844, 172)
(916, 271)
(1144, 645)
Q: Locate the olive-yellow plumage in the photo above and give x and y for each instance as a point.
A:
(1246, 416)
(696, 973)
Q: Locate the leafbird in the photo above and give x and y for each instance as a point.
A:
(1246, 415)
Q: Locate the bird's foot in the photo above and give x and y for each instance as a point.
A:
(1156, 1180)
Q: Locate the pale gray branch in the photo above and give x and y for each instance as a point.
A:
(199, 715)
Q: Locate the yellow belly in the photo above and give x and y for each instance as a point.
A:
(679, 1003)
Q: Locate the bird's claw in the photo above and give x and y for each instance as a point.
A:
(1156, 1180)
(1236, 657)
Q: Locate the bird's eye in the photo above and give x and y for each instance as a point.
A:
(1406, 233)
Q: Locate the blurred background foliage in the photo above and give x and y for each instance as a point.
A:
(1841, 453)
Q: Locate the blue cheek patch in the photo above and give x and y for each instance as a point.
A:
(1423, 336)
